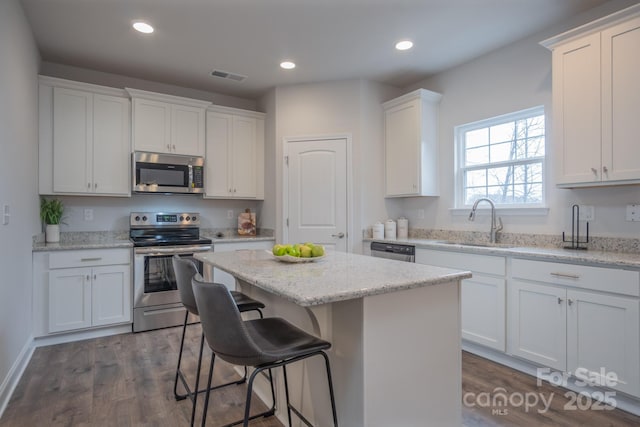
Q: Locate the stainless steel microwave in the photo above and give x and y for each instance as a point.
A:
(167, 173)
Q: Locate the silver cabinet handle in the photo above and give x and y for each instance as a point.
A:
(90, 259)
(560, 300)
(605, 170)
(88, 185)
(569, 301)
(565, 275)
(168, 147)
(339, 235)
(94, 277)
(88, 277)
(174, 147)
(595, 171)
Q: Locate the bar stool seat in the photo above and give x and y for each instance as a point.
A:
(263, 344)
(185, 269)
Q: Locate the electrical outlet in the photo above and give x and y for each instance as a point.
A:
(6, 214)
(420, 213)
(587, 213)
(633, 212)
(88, 214)
(230, 214)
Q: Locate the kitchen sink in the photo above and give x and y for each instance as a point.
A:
(477, 245)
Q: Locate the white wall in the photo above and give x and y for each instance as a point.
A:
(513, 78)
(18, 186)
(351, 107)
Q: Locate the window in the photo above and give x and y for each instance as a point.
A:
(502, 159)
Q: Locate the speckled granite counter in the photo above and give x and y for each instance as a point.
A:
(85, 240)
(337, 277)
(602, 258)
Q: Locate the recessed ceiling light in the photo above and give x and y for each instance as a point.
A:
(288, 65)
(404, 45)
(143, 27)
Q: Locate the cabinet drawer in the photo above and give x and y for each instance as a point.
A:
(580, 276)
(88, 258)
(487, 264)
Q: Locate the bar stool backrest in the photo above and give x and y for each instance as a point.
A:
(185, 269)
(223, 326)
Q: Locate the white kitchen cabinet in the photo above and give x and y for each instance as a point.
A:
(596, 97)
(561, 317)
(168, 124)
(81, 289)
(228, 280)
(483, 304)
(84, 139)
(411, 142)
(235, 154)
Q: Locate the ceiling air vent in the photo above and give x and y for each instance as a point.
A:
(229, 76)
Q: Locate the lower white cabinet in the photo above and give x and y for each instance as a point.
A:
(482, 296)
(582, 331)
(228, 280)
(81, 289)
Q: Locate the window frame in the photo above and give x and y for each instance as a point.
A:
(461, 168)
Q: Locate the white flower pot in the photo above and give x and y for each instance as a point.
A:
(52, 233)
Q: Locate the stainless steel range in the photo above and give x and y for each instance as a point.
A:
(156, 237)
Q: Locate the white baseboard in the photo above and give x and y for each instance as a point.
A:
(15, 373)
(81, 335)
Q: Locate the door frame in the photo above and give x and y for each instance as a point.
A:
(285, 180)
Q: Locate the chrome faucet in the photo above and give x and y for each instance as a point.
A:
(494, 228)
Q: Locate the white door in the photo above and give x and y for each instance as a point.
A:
(315, 196)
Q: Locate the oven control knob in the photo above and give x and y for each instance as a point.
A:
(144, 218)
(193, 218)
(188, 218)
(181, 218)
(137, 218)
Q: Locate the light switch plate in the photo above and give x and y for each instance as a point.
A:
(88, 214)
(586, 213)
(230, 214)
(633, 212)
(6, 214)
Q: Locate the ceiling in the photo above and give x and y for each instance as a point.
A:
(328, 39)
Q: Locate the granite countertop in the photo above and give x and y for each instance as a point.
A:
(233, 237)
(338, 276)
(592, 257)
(89, 240)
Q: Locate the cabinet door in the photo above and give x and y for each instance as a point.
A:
(483, 311)
(621, 101)
(187, 130)
(402, 149)
(111, 295)
(576, 110)
(218, 158)
(72, 133)
(151, 125)
(537, 324)
(69, 299)
(111, 147)
(244, 157)
(603, 338)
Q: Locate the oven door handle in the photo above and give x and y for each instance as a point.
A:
(167, 250)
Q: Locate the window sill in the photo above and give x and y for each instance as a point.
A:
(503, 211)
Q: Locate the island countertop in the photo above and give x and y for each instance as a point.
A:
(336, 277)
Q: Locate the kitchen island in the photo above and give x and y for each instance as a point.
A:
(394, 329)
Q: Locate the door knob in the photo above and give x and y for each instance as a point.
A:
(339, 235)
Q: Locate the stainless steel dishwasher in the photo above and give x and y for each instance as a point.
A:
(395, 251)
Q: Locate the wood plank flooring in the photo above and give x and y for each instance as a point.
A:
(127, 380)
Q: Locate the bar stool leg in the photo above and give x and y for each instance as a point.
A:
(286, 393)
(206, 399)
(194, 395)
(331, 394)
(175, 383)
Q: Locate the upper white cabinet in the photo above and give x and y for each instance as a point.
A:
(411, 142)
(168, 124)
(596, 99)
(84, 139)
(235, 154)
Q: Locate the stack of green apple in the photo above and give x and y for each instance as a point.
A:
(299, 250)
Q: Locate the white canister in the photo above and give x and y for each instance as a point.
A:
(378, 230)
(390, 230)
(403, 228)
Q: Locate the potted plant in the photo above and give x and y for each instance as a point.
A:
(51, 214)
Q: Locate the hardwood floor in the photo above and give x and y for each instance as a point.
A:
(127, 380)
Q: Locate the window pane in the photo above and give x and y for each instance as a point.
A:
(520, 174)
(535, 147)
(499, 176)
(534, 194)
(474, 193)
(534, 173)
(501, 152)
(535, 126)
(477, 156)
(475, 138)
(477, 178)
(502, 133)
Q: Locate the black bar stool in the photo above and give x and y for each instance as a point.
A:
(262, 343)
(184, 270)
